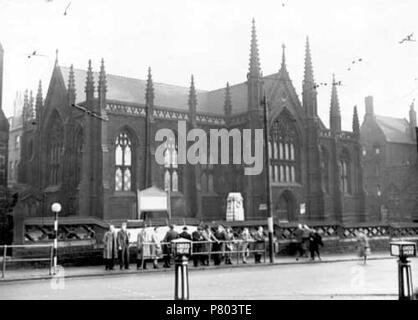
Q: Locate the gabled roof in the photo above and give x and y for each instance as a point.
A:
(395, 129)
(130, 90)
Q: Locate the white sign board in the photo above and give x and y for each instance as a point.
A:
(153, 199)
(302, 208)
(235, 207)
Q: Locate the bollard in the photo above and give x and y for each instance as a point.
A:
(182, 250)
(403, 250)
(405, 279)
(181, 279)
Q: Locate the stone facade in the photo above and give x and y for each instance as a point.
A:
(90, 145)
(390, 165)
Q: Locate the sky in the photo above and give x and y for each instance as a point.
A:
(211, 39)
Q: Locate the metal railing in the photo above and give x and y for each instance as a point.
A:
(239, 248)
(6, 258)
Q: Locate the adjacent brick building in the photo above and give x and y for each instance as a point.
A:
(94, 165)
(390, 165)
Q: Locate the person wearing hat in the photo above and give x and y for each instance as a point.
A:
(197, 236)
(169, 236)
(185, 234)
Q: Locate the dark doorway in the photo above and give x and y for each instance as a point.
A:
(286, 206)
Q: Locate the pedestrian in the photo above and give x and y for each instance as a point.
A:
(315, 240)
(110, 248)
(305, 239)
(169, 236)
(229, 245)
(208, 239)
(151, 247)
(197, 238)
(300, 251)
(185, 234)
(363, 246)
(218, 246)
(259, 247)
(140, 249)
(123, 247)
(245, 238)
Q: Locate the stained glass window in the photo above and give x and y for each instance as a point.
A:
(285, 158)
(123, 162)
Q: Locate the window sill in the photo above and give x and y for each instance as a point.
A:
(286, 184)
(124, 194)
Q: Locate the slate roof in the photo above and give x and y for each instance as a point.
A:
(130, 90)
(395, 129)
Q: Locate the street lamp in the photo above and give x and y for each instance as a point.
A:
(182, 249)
(268, 186)
(403, 250)
(56, 208)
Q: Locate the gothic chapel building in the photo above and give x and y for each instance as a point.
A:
(94, 166)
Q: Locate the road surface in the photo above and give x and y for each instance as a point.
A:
(335, 280)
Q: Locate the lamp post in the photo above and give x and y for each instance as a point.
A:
(268, 186)
(403, 250)
(56, 208)
(182, 249)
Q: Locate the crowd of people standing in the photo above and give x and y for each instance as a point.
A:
(219, 244)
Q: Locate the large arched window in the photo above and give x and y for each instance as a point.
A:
(283, 150)
(55, 146)
(123, 162)
(171, 170)
(345, 172)
(325, 169)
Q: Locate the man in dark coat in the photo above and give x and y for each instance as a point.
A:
(315, 240)
(123, 247)
(169, 236)
(197, 236)
(185, 234)
(218, 246)
(259, 244)
(109, 248)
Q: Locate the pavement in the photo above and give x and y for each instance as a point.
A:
(328, 280)
(24, 274)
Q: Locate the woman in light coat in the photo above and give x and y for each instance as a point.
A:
(149, 247)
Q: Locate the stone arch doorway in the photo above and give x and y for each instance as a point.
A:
(286, 206)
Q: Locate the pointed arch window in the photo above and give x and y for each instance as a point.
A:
(55, 147)
(325, 169)
(206, 179)
(345, 172)
(123, 162)
(285, 158)
(171, 168)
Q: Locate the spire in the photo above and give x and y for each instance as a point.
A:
(102, 85)
(31, 106)
(356, 124)
(71, 86)
(89, 83)
(149, 91)
(308, 76)
(192, 101)
(39, 100)
(283, 73)
(335, 116)
(254, 69)
(228, 101)
(56, 57)
(283, 56)
(309, 94)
